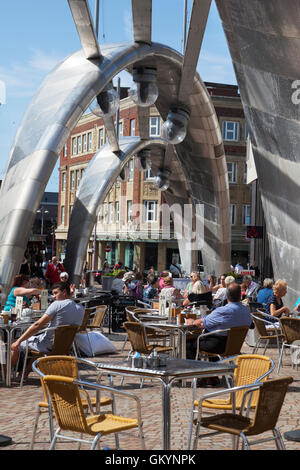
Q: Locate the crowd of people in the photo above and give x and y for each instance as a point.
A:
(230, 295)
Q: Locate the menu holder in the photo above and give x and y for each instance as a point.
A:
(19, 307)
(162, 304)
(44, 299)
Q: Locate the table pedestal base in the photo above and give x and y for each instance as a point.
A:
(292, 435)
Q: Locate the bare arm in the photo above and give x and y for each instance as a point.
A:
(32, 330)
(276, 313)
(23, 291)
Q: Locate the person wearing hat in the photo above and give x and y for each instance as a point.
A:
(64, 277)
(127, 279)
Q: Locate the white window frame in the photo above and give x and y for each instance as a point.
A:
(228, 134)
(101, 137)
(150, 211)
(65, 150)
(79, 144)
(132, 127)
(111, 212)
(62, 215)
(148, 174)
(121, 129)
(63, 181)
(246, 214)
(154, 126)
(78, 178)
(72, 179)
(90, 141)
(105, 212)
(232, 172)
(129, 211)
(117, 212)
(84, 143)
(130, 170)
(233, 214)
(74, 146)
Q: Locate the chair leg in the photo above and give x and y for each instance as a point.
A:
(142, 437)
(125, 341)
(245, 441)
(53, 442)
(24, 367)
(278, 439)
(95, 441)
(280, 358)
(37, 416)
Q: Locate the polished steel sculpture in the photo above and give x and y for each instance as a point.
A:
(201, 176)
(263, 39)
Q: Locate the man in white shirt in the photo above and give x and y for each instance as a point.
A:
(63, 311)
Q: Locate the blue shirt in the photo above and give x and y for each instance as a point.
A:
(231, 315)
(149, 292)
(264, 295)
(278, 305)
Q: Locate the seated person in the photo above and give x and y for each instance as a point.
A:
(171, 292)
(20, 288)
(198, 288)
(266, 292)
(194, 276)
(251, 287)
(118, 285)
(135, 286)
(212, 283)
(63, 311)
(220, 298)
(274, 306)
(175, 269)
(231, 315)
(150, 291)
(163, 274)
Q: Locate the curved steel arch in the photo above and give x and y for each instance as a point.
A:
(264, 40)
(55, 110)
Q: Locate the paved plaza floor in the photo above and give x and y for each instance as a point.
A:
(17, 411)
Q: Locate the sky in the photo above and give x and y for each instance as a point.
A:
(35, 35)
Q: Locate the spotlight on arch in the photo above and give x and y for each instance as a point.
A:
(143, 160)
(175, 127)
(144, 91)
(162, 180)
(106, 103)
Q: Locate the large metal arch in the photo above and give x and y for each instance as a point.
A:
(54, 111)
(264, 39)
(200, 160)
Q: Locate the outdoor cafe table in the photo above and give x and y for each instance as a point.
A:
(183, 330)
(10, 330)
(175, 369)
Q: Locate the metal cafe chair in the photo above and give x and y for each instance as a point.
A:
(291, 332)
(250, 369)
(270, 400)
(64, 336)
(66, 401)
(235, 339)
(265, 335)
(66, 366)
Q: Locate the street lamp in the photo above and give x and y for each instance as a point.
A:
(42, 211)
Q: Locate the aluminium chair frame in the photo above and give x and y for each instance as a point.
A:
(49, 408)
(286, 343)
(246, 444)
(90, 385)
(194, 409)
(277, 335)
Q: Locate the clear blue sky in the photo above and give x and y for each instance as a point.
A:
(37, 34)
